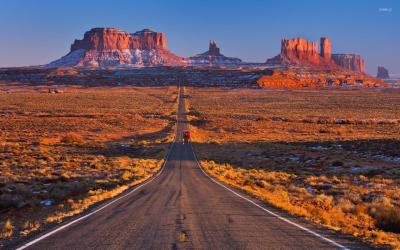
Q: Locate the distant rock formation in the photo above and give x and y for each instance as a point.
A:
(113, 39)
(296, 78)
(326, 51)
(113, 47)
(213, 57)
(301, 52)
(213, 50)
(349, 61)
(383, 73)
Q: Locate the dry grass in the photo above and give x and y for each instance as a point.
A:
(7, 229)
(329, 156)
(62, 153)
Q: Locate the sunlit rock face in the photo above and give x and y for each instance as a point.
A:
(213, 57)
(102, 47)
(301, 52)
(326, 51)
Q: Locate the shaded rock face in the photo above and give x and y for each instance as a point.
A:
(301, 52)
(113, 47)
(213, 50)
(383, 73)
(326, 51)
(213, 57)
(349, 61)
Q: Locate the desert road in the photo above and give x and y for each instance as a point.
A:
(183, 208)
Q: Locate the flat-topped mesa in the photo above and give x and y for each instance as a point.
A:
(102, 47)
(213, 57)
(115, 39)
(147, 39)
(349, 61)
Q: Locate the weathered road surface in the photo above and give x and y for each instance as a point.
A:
(182, 208)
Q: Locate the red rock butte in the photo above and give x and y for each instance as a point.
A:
(114, 47)
(110, 38)
(301, 52)
(103, 47)
(326, 51)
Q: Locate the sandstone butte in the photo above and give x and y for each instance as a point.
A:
(314, 68)
(113, 47)
(301, 52)
(114, 39)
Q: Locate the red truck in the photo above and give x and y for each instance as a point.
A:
(186, 136)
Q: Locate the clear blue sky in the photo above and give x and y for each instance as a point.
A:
(37, 32)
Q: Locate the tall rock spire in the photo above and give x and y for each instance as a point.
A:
(326, 51)
(213, 49)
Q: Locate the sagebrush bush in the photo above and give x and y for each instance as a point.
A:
(7, 229)
(72, 138)
(388, 219)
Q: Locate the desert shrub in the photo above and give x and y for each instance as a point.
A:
(65, 177)
(126, 176)
(29, 226)
(248, 181)
(388, 218)
(7, 229)
(72, 138)
(323, 201)
(345, 205)
(229, 176)
(261, 183)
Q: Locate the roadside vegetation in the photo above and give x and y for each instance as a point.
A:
(62, 153)
(329, 156)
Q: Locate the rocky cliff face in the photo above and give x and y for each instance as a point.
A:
(213, 50)
(349, 61)
(326, 51)
(113, 47)
(301, 52)
(213, 57)
(114, 39)
(383, 73)
(299, 49)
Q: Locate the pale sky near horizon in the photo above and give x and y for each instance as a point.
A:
(37, 32)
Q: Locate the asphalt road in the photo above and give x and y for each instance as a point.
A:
(182, 208)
